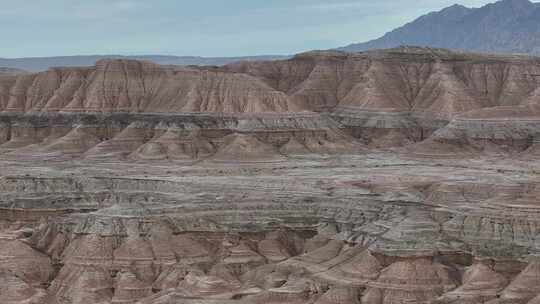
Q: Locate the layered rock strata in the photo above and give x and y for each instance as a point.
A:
(386, 98)
(382, 178)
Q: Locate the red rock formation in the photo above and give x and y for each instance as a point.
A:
(171, 276)
(243, 257)
(175, 144)
(480, 283)
(16, 291)
(525, 286)
(136, 254)
(295, 291)
(434, 82)
(25, 262)
(415, 280)
(239, 210)
(389, 98)
(358, 268)
(536, 300)
(241, 147)
(82, 284)
(124, 143)
(129, 289)
(429, 82)
(76, 142)
(339, 296)
(200, 284)
(131, 86)
(273, 250)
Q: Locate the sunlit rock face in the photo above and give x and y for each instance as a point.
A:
(406, 176)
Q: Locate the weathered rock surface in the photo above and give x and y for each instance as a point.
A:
(348, 229)
(385, 99)
(380, 178)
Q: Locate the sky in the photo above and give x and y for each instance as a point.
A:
(212, 28)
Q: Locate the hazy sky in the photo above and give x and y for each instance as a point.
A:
(199, 27)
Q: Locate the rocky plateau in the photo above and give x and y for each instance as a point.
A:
(400, 176)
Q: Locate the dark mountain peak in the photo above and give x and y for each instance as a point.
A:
(515, 6)
(456, 8)
(515, 3)
(506, 26)
(453, 12)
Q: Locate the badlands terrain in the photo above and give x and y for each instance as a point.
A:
(403, 176)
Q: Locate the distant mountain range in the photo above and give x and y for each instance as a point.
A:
(43, 63)
(11, 71)
(507, 26)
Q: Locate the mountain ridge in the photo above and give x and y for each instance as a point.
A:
(507, 26)
(40, 64)
(11, 71)
(392, 80)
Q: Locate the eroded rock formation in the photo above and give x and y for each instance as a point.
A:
(381, 178)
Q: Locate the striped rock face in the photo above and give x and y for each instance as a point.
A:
(387, 177)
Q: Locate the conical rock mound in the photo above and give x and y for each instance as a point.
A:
(175, 144)
(417, 280)
(242, 147)
(13, 290)
(127, 141)
(76, 142)
(526, 285)
(480, 282)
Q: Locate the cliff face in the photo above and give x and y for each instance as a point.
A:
(131, 86)
(435, 83)
(387, 98)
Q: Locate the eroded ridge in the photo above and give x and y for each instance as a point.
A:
(435, 102)
(398, 176)
(344, 229)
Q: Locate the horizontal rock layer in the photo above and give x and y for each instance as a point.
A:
(403, 176)
(432, 83)
(348, 229)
